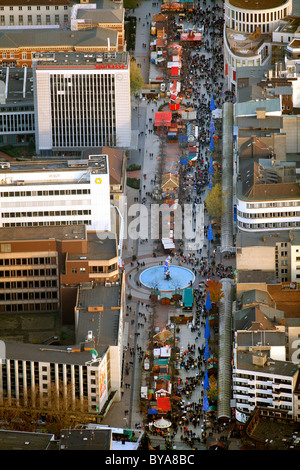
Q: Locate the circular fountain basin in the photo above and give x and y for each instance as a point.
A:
(154, 278)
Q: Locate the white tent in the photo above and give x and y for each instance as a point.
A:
(162, 423)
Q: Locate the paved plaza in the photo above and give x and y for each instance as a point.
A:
(140, 309)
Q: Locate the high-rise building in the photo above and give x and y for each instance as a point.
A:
(82, 100)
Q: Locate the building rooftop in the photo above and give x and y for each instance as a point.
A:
(260, 338)
(95, 60)
(17, 440)
(55, 37)
(86, 439)
(256, 5)
(252, 319)
(244, 44)
(16, 92)
(286, 299)
(272, 367)
(244, 239)
(250, 107)
(33, 2)
(99, 312)
(254, 296)
(57, 232)
(95, 163)
(101, 15)
(99, 248)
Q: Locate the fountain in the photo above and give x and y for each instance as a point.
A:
(167, 277)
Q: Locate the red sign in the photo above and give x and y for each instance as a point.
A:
(109, 66)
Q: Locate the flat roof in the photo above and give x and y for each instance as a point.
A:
(97, 163)
(267, 238)
(21, 440)
(256, 5)
(86, 439)
(57, 232)
(79, 59)
(15, 91)
(99, 248)
(260, 338)
(273, 367)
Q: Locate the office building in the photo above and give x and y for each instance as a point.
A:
(262, 382)
(85, 375)
(82, 100)
(59, 192)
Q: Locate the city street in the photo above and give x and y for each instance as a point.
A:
(140, 311)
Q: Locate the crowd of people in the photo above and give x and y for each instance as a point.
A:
(205, 79)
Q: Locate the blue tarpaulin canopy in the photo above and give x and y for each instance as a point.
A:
(205, 403)
(210, 235)
(208, 302)
(207, 331)
(206, 351)
(206, 384)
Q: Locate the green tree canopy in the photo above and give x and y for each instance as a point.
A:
(215, 202)
(136, 77)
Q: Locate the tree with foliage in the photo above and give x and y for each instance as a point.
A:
(215, 202)
(215, 290)
(136, 77)
(212, 392)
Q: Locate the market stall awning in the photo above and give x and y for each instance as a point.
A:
(167, 243)
(163, 118)
(163, 403)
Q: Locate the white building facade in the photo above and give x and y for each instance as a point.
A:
(56, 193)
(259, 381)
(248, 28)
(82, 100)
(271, 215)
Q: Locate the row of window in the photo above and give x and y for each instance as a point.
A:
(30, 307)
(267, 215)
(40, 224)
(57, 192)
(269, 225)
(262, 205)
(10, 215)
(28, 272)
(40, 284)
(27, 261)
(11, 20)
(8, 296)
(20, 8)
